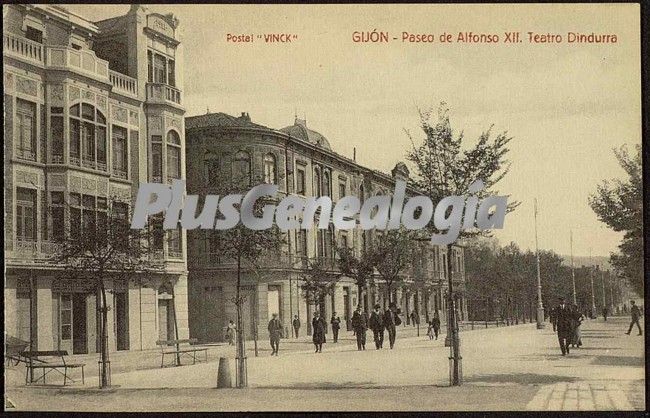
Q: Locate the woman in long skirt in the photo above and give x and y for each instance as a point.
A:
(318, 331)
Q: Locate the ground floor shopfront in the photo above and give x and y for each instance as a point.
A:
(211, 296)
(55, 313)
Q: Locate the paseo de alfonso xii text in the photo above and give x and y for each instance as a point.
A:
(451, 214)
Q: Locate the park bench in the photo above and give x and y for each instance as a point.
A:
(180, 348)
(49, 361)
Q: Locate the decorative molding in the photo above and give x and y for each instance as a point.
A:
(134, 118)
(74, 93)
(75, 184)
(9, 82)
(89, 185)
(56, 94)
(155, 123)
(57, 180)
(26, 86)
(27, 177)
(88, 95)
(101, 102)
(120, 114)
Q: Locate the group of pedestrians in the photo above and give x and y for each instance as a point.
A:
(378, 322)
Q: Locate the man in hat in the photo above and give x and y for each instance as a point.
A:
(563, 317)
(636, 314)
(360, 325)
(275, 332)
(376, 323)
(391, 320)
(296, 325)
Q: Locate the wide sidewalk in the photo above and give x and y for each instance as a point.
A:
(517, 367)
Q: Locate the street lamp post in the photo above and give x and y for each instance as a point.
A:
(591, 278)
(540, 306)
(573, 273)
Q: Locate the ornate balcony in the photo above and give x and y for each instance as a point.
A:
(81, 61)
(56, 159)
(163, 93)
(23, 48)
(120, 173)
(75, 161)
(174, 253)
(123, 83)
(25, 154)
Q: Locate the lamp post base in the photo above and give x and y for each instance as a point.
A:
(540, 318)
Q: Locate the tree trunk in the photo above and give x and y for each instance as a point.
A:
(241, 350)
(453, 325)
(104, 370)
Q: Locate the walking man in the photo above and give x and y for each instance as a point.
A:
(392, 320)
(275, 332)
(296, 325)
(636, 314)
(360, 325)
(336, 325)
(605, 312)
(376, 323)
(435, 322)
(563, 317)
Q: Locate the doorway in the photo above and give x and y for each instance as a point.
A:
(121, 304)
(79, 341)
(165, 320)
(346, 307)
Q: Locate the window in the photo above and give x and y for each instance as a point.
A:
(66, 317)
(34, 34)
(212, 171)
(57, 215)
(317, 183)
(301, 243)
(76, 46)
(75, 215)
(269, 169)
(88, 220)
(327, 190)
(300, 181)
(25, 214)
(87, 136)
(173, 155)
(241, 168)
(156, 158)
(26, 129)
(344, 241)
(174, 247)
(120, 154)
(150, 66)
(341, 189)
(329, 242)
(56, 125)
(171, 78)
(159, 69)
(320, 243)
(158, 234)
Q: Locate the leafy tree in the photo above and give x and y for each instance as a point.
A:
(318, 281)
(619, 204)
(103, 246)
(392, 256)
(443, 168)
(359, 268)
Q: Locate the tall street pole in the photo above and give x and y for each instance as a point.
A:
(602, 277)
(573, 273)
(591, 277)
(540, 306)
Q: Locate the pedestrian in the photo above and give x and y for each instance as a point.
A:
(563, 315)
(376, 323)
(296, 325)
(318, 331)
(436, 324)
(230, 332)
(605, 312)
(625, 309)
(336, 326)
(430, 329)
(391, 320)
(413, 318)
(360, 325)
(636, 314)
(275, 333)
(553, 318)
(576, 319)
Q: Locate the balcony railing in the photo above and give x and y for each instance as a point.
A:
(174, 253)
(123, 83)
(56, 159)
(83, 61)
(88, 163)
(163, 93)
(25, 154)
(21, 47)
(120, 173)
(75, 161)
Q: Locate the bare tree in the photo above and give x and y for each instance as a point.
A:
(443, 168)
(359, 268)
(392, 256)
(318, 281)
(99, 244)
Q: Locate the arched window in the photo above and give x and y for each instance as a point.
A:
(173, 155)
(88, 145)
(317, 183)
(270, 169)
(241, 168)
(326, 183)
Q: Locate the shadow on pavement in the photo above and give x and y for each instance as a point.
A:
(627, 361)
(519, 378)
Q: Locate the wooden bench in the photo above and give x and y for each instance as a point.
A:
(185, 350)
(55, 362)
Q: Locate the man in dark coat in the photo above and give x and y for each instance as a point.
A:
(296, 325)
(360, 325)
(318, 325)
(391, 320)
(435, 323)
(564, 321)
(275, 332)
(336, 326)
(636, 314)
(376, 323)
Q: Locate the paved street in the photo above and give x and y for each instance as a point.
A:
(506, 368)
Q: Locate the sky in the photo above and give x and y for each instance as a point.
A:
(566, 105)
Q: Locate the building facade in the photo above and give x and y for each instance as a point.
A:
(301, 162)
(91, 110)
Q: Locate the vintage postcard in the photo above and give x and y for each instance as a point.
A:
(325, 207)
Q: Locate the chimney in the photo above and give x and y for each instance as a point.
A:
(354, 153)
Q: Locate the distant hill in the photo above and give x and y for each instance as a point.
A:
(578, 261)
